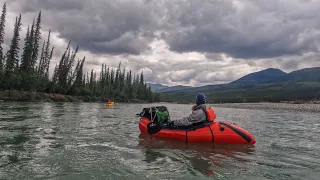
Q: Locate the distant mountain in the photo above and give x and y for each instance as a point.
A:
(275, 92)
(173, 88)
(267, 85)
(162, 88)
(263, 76)
(156, 87)
(266, 76)
(303, 75)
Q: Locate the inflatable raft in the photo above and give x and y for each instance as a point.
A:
(215, 132)
(110, 104)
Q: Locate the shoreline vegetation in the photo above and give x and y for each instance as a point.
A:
(27, 77)
(27, 96)
(308, 106)
(24, 96)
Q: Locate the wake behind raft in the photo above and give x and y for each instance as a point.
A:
(154, 120)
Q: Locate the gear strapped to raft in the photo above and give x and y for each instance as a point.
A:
(159, 118)
(159, 115)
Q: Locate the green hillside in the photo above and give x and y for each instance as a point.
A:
(272, 92)
(303, 75)
(267, 85)
(173, 88)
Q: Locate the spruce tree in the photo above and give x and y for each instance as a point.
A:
(2, 26)
(116, 86)
(141, 78)
(12, 54)
(47, 57)
(80, 74)
(91, 80)
(36, 39)
(122, 81)
(40, 70)
(40, 80)
(130, 85)
(48, 63)
(111, 93)
(24, 67)
(25, 72)
(108, 82)
(65, 69)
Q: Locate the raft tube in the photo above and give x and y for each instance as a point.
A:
(110, 104)
(216, 132)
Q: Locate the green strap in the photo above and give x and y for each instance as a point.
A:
(157, 113)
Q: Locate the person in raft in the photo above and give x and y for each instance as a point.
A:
(200, 113)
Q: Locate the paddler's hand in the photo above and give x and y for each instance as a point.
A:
(193, 107)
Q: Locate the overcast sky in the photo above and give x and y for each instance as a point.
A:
(180, 42)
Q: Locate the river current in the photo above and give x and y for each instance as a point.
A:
(92, 141)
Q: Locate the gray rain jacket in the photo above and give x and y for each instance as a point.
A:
(196, 116)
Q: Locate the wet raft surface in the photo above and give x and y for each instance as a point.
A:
(92, 141)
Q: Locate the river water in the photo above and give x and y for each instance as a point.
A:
(92, 141)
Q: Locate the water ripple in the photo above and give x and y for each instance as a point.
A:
(91, 141)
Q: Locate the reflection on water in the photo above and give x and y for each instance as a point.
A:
(203, 157)
(92, 141)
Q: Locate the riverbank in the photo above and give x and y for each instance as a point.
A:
(287, 106)
(22, 96)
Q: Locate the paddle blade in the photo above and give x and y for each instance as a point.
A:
(153, 128)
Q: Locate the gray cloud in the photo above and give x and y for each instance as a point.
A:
(292, 63)
(99, 26)
(241, 29)
(246, 29)
(58, 5)
(189, 42)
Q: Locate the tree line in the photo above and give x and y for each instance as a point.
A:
(30, 72)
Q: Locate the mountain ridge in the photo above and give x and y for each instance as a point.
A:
(262, 76)
(259, 86)
(157, 86)
(174, 88)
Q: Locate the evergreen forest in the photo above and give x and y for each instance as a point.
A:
(29, 72)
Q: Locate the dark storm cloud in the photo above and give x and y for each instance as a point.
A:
(211, 41)
(52, 5)
(247, 29)
(241, 29)
(113, 27)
